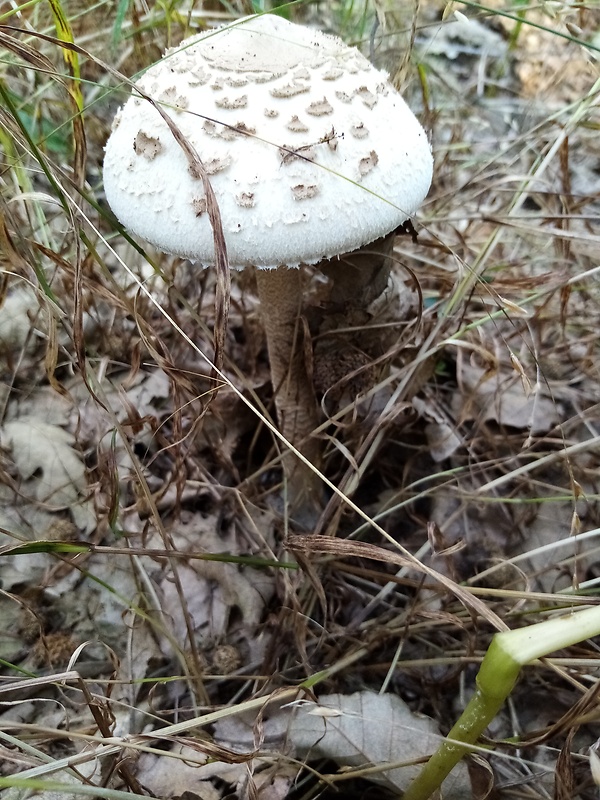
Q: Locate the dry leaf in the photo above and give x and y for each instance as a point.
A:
(221, 599)
(373, 729)
(442, 439)
(53, 471)
(169, 776)
(15, 324)
(359, 730)
(45, 451)
(503, 399)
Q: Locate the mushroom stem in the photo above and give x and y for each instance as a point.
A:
(360, 277)
(280, 295)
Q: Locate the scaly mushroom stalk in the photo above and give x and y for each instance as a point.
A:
(280, 295)
(360, 277)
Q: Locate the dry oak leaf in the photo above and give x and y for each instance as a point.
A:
(45, 458)
(373, 729)
(364, 729)
(503, 399)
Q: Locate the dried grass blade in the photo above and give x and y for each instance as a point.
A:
(308, 544)
(71, 57)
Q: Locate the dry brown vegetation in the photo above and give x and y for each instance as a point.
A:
(153, 590)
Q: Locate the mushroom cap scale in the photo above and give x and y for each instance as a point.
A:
(310, 151)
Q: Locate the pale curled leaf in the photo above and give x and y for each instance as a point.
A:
(442, 440)
(43, 455)
(501, 397)
(373, 729)
(364, 729)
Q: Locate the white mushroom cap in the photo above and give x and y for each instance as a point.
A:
(310, 151)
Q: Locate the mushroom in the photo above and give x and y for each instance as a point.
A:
(310, 152)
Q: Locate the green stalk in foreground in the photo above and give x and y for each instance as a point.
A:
(508, 652)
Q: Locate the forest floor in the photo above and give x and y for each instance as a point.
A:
(165, 629)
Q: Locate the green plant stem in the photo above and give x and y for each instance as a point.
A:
(496, 679)
(507, 653)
